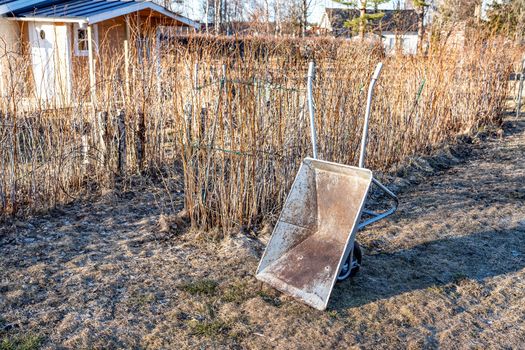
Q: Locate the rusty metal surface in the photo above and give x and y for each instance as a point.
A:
(317, 224)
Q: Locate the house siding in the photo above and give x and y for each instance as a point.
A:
(10, 43)
(407, 42)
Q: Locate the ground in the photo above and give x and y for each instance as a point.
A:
(120, 271)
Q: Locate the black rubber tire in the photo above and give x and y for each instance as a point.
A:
(357, 257)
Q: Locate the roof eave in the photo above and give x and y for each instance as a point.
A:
(134, 7)
(49, 19)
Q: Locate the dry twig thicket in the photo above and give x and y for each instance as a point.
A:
(232, 115)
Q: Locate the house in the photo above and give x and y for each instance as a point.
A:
(62, 40)
(398, 28)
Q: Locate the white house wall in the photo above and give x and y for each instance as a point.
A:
(9, 42)
(408, 41)
(51, 61)
(325, 22)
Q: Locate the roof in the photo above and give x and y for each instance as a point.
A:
(393, 20)
(88, 11)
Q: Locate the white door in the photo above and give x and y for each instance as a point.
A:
(51, 60)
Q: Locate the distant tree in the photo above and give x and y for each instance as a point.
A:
(259, 15)
(507, 17)
(420, 6)
(217, 18)
(447, 17)
(208, 8)
(359, 24)
(291, 16)
(453, 11)
(221, 13)
(301, 9)
(278, 11)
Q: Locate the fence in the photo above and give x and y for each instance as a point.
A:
(237, 122)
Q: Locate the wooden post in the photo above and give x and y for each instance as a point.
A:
(188, 112)
(121, 121)
(84, 145)
(108, 137)
(196, 76)
(84, 150)
(196, 94)
(158, 67)
(141, 141)
(101, 131)
(91, 62)
(126, 57)
(224, 87)
(520, 89)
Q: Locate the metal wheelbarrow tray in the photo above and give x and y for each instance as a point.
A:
(318, 222)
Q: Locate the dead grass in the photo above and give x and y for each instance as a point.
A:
(447, 271)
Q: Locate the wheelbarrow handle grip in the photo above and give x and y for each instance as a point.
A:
(377, 72)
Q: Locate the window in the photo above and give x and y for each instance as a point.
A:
(81, 42)
(389, 43)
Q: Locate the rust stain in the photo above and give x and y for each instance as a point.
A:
(304, 267)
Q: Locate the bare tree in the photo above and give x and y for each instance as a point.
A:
(208, 7)
(306, 9)
(420, 7)
(207, 15)
(296, 13)
(360, 23)
(278, 9)
(458, 10)
(217, 15)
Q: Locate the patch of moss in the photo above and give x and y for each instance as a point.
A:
(459, 278)
(141, 299)
(21, 342)
(208, 329)
(436, 289)
(274, 301)
(333, 313)
(236, 293)
(202, 287)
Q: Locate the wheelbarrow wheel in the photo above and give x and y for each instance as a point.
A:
(350, 268)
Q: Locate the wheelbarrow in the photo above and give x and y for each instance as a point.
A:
(313, 243)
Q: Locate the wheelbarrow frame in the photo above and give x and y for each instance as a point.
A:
(362, 154)
(276, 267)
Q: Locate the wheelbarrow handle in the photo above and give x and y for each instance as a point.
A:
(311, 109)
(364, 138)
(379, 216)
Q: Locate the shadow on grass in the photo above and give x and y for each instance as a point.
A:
(474, 256)
(433, 264)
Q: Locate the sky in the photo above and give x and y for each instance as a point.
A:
(192, 9)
